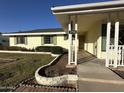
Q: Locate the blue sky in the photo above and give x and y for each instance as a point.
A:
(21, 15)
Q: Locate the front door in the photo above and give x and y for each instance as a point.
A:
(81, 42)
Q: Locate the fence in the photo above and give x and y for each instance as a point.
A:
(112, 55)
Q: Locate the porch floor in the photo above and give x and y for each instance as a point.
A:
(95, 77)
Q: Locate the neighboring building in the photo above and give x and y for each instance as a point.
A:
(99, 27)
(41, 37)
(4, 41)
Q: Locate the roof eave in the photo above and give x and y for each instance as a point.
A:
(91, 11)
(22, 34)
(104, 4)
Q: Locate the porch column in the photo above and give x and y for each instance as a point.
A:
(70, 44)
(76, 43)
(108, 43)
(116, 42)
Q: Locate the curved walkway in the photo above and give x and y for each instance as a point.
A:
(95, 77)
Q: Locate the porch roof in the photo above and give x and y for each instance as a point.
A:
(90, 7)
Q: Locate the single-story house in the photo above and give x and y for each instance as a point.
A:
(95, 27)
(40, 37)
(99, 28)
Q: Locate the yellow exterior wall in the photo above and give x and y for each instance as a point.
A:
(34, 41)
(93, 39)
(61, 42)
(11, 41)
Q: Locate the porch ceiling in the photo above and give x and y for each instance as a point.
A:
(86, 21)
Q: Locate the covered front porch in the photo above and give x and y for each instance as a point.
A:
(99, 34)
(97, 28)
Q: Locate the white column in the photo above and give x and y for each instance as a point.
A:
(116, 42)
(69, 47)
(76, 43)
(108, 43)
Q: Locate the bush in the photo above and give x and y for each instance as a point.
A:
(52, 49)
(43, 49)
(57, 50)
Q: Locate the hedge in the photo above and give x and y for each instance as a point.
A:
(53, 49)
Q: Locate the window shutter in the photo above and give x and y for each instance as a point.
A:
(55, 40)
(42, 40)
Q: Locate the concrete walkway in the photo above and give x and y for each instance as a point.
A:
(95, 77)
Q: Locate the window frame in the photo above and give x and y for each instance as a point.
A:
(65, 36)
(49, 39)
(21, 40)
(103, 35)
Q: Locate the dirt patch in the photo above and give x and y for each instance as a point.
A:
(60, 68)
(119, 71)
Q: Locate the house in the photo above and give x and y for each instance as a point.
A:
(99, 28)
(40, 37)
(95, 27)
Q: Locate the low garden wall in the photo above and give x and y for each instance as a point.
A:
(27, 52)
(53, 81)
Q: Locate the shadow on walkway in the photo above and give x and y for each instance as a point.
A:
(84, 56)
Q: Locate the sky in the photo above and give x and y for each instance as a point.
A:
(23, 15)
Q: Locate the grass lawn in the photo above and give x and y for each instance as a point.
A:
(24, 66)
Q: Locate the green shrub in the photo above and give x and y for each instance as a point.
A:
(57, 50)
(43, 48)
(53, 49)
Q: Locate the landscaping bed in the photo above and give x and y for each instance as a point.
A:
(16, 67)
(56, 69)
(59, 68)
(119, 71)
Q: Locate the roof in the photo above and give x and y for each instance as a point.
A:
(98, 5)
(37, 32)
(42, 30)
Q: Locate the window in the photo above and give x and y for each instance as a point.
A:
(104, 26)
(48, 39)
(66, 37)
(104, 34)
(20, 40)
(121, 35)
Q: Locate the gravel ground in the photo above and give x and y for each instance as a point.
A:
(60, 68)
(119, 71)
